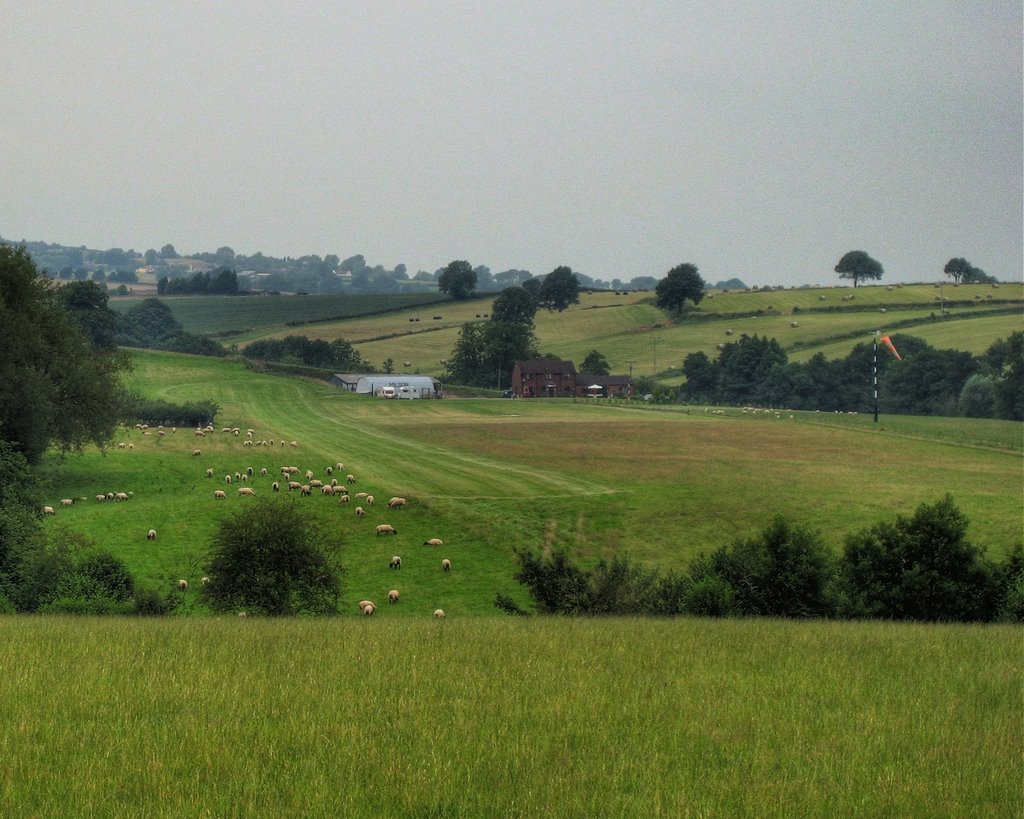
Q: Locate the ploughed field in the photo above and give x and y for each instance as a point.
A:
(488, 476)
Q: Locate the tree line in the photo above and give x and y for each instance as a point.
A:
(337, 355)
(921, 567)
(755, 370)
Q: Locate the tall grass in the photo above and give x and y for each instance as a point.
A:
(479, 717)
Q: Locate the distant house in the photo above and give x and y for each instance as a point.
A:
(603, 386)
(544, 378)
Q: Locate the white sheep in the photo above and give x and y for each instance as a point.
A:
(219, 494)
(263, 472)
(396, 503)
(393, 596)
(359, 510)
(292, 444)
(369, 500)
(309, 474)
(344, 498)
(369, 610)
(350, 478)
(66, 502)
(434, 541)
(340, 466)
(364, 603)
(101, 498)
(183, 585)
(151, 534)
(327, 490)
(395, 562)
(439, 614)
(48, 510)
(330, 470)
(294, 485)
(247, 491)
(446, 565)
(209, 473)
(121, 496)
(227, 479)
(386, 529)
(205, 581)
(196, 453)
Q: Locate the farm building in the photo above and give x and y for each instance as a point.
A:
(347, 381)
(544, 378)
(394, 385)
(603, 386)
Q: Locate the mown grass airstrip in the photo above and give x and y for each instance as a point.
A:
(488, 476)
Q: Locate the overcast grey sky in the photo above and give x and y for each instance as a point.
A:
(754, 139)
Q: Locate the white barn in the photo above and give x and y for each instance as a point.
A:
(416, 386)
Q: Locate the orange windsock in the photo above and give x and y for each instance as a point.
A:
(892, 349)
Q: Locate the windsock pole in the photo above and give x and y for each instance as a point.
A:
(874, 371)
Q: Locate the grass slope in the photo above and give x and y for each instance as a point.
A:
(484, 717)
(490, 475)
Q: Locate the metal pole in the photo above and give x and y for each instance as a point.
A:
(874, 371)
(630, 387)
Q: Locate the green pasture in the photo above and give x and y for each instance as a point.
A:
(237, 315)
(628, 327)
(490, 475)
(485, 717)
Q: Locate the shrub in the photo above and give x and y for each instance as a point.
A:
(919, 568)
(271, 559)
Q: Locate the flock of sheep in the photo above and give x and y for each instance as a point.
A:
(290, 481)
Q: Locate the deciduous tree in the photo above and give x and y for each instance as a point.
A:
(681, 284)
(560, 289)
(858, 265)
(458, 279)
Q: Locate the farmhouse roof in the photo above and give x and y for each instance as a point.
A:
(546, 365)
(605, 380)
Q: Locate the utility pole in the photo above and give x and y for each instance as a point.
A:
(630, 388)
(655, 340)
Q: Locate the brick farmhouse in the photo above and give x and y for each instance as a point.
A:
(550, 378)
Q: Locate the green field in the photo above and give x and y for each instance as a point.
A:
(487, 476)
(478, 717)
(628, 327)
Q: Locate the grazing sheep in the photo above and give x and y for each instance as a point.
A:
(131, 446)
(209, 473)
(340, 466)
(247, 491)
(305, 489)
(364, 603)
(360, 495)
(219, 494)
(249, 471)
(275, 486)
(66, 502)
(309, 474)
(396, 503)
(316, 484)
(244, 478)
(294, 485)
(434, 541)
(446, 565)
(330, 470)
(386, 529)
(101, 498)
(334, 482)
(327, 490)
(393, 596)
(439, 614)
(183, 585)
(350, 478)
(196, 453)
(369, 610)
(122, 445)
(369, 500)
(395, 563)
(151, 534)
(205, 581)
(48, 510)
(263, 472)
(121, 496)
(344, 498)
(286, 470)
(110, 496)
(227, 479)
(359, 510)
(293, 444)
(242, 614)
(238, 476)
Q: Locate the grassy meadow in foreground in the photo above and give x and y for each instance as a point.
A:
(487, 476)
(487, 717)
